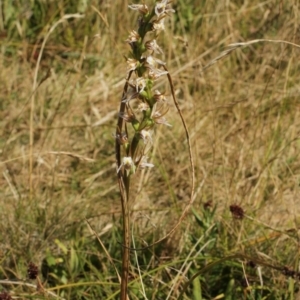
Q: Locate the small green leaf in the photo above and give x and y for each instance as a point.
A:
(229, 290)
(61, 246)
(197, 293)
(74, 262)
(198, 218)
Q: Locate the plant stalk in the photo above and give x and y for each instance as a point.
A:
(126, 239)
(124, 186)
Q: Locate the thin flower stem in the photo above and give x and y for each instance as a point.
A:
(124, 185)
(126, 239)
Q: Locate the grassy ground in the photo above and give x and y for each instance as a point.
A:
(243, 117)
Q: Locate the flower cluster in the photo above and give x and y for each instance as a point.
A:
(143, 107)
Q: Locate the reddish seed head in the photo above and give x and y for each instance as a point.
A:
(288, 272)
(32, 271)
(237, 211)
(5, 296)
(207, 205)
(251, 264)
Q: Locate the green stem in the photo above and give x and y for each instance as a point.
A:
(134, 144)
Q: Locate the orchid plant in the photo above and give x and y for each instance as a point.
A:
(142, 107)
(151, 104)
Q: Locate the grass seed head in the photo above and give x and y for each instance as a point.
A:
(236, 211)
(5, 296)
(32, 271)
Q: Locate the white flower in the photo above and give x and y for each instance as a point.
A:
(150, 61)
(153, 62)
(159, 25)
(140, 84)
(127, 163)
(156, 73)
(122, 138)
(159, 97)
(160, 119)
(141, 8)
(133, 37)
(144, 164)
(131, 64)
(162, 8)
(146, 136)
(142, 107)
(153, 46)
(131, 94)
(127, 117)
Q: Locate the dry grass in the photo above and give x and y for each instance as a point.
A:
(242, 113)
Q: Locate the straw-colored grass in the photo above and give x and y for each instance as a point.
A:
(242, 112)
